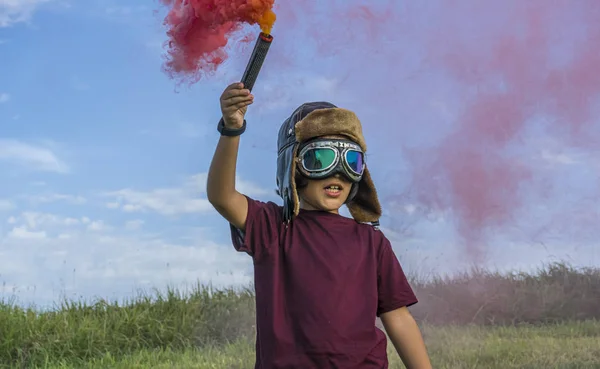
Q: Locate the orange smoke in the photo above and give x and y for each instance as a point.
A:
(266, 21)
(199, 30)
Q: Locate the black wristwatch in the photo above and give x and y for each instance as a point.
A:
(224, 131)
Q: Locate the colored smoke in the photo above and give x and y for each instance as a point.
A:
(517, 80)
(521, 73)
(508, 76)
(199, 31)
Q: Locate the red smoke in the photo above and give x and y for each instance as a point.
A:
(516, 78)
(516, 67)
(200, 29)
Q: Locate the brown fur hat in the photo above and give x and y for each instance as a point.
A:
(317, 119)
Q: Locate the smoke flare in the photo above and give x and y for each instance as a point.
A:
(200, 29)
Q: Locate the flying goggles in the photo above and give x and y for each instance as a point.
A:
(323, 158)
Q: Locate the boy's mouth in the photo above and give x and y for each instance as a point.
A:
(333, 189)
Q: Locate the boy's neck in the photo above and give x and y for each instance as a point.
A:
(306, 206)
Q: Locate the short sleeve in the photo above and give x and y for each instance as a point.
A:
(262, 228)
(393, 288)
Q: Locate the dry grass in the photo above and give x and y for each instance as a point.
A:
(556, 293)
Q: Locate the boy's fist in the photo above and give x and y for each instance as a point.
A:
(234, 103)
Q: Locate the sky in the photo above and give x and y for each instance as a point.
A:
(103, 157)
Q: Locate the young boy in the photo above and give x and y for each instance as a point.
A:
(321, 278)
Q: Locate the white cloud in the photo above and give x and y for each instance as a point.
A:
(98, 226)
(4, 97)
(126, 10)
(167, 201)
(56, 197)
(410, 208)
(35, 157)
(37, 220)
(185, 199)
(23, 233)
(44, 259)
(16, 11)
(6, 205)
(134, 224)
(558, 157)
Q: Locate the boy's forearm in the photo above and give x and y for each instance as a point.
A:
(221, 174)
(406, 337)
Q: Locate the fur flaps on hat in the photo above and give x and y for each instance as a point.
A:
(314, 120)
(332, 121)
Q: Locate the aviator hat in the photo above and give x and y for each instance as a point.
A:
(312, 120)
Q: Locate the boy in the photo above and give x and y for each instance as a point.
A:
(321, 278)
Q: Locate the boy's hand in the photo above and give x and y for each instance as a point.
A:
(234, 103)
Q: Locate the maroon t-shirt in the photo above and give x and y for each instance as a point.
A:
(320, 283)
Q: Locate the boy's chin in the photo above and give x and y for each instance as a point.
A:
(332, 204)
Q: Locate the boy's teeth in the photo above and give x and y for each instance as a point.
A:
(333, 187)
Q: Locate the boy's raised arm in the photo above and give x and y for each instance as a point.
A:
(220, 187)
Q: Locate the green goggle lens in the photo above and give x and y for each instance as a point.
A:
(319, 159)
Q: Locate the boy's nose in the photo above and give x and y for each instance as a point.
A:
(340, 177)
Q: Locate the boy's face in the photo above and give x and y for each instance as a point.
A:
(327, 194)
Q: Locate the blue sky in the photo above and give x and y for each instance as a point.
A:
(103, 159)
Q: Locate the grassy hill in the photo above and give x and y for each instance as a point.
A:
(480, 319)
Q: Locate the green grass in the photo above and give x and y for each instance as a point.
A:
(239, 354)
(85, 331)
(548, 320)
(567, 345)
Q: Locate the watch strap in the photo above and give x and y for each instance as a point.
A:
(228, 131)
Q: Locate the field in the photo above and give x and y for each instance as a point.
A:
(550, 319)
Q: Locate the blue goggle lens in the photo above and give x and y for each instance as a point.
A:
(355, 161)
